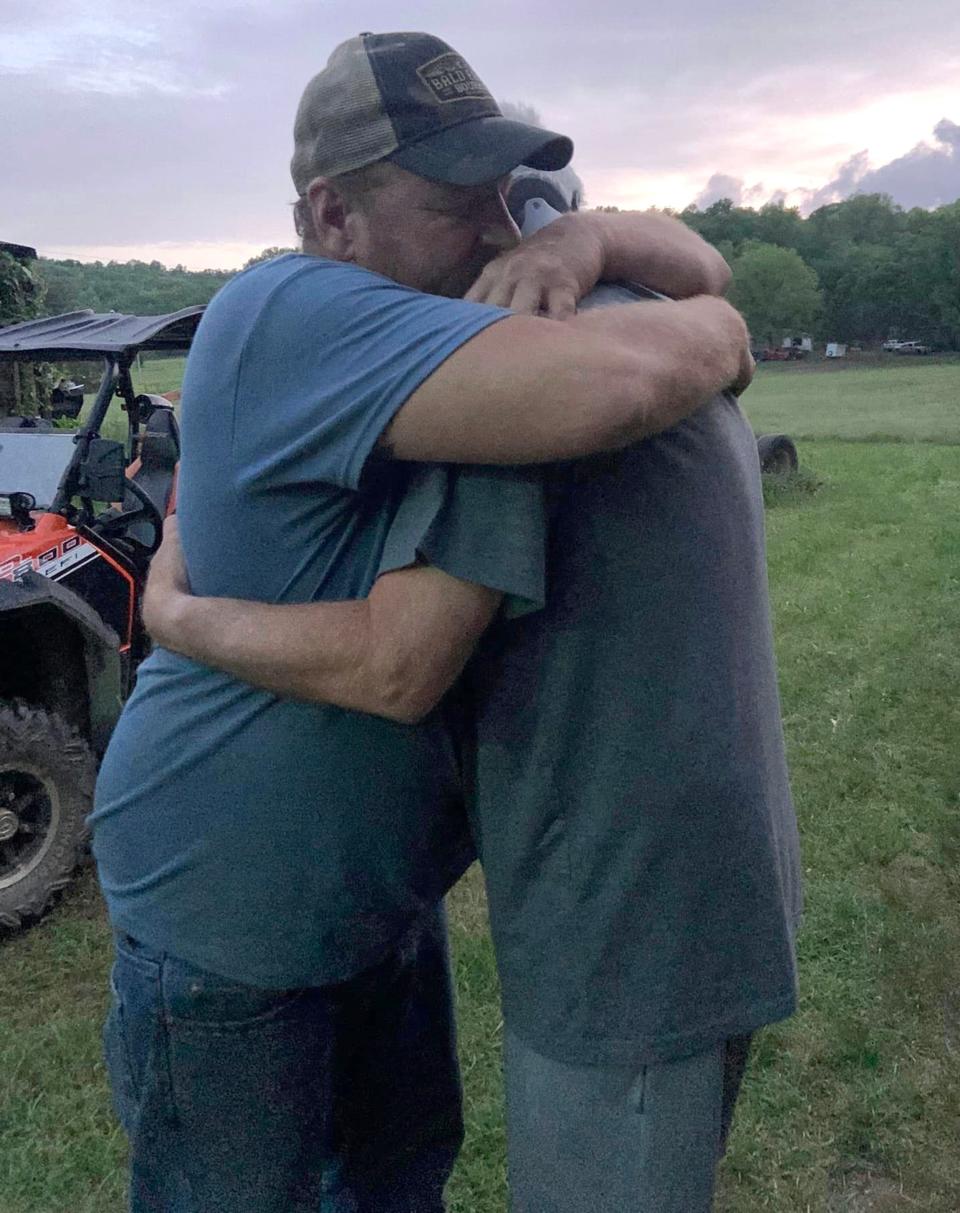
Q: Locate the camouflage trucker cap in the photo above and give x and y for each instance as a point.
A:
(411, 99)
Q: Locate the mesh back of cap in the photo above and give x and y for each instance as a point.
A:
(341, 123)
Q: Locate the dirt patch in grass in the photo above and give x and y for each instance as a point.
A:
(867, 1192)
(790, 488)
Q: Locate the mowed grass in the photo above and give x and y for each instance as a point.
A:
(852, 1105)
(862, 1089)
(159, 374)
(903, 399)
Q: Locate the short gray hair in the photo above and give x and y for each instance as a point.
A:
(355, 187)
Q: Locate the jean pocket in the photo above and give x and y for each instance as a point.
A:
(117, 1061)
(197, 1000)
(132, 1037)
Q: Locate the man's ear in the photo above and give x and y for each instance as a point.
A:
(332, 232)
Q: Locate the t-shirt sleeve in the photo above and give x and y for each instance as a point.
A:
(334, 353)
(481, 524)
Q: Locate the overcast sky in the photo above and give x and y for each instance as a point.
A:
(162, 130)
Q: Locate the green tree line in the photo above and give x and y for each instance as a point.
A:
(857, 271)
(139, 288)
(861, 270)
(21, 298)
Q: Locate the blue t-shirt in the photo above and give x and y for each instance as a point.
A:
(276, 842)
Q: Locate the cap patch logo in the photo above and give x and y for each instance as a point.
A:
(450, 78)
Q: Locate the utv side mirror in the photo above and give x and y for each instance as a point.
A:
(102, 473)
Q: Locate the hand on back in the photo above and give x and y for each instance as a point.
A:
(166, 585)
(547, 274)
(725, 340)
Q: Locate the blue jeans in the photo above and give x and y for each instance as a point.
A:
(335, 1099)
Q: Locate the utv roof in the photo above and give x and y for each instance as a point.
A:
(22, 252)
(92, 335)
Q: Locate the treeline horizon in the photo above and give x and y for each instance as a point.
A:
(858, 271)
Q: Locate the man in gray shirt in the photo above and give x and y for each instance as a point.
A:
(630, 802)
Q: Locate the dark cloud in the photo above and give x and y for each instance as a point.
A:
(844, 184)
(928, 175)
(720, 186)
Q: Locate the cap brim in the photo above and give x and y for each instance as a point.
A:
(482, 150)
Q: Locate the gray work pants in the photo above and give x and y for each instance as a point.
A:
(603, 1139)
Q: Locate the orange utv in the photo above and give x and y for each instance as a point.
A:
(72, 570)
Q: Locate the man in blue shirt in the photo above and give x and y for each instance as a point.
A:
(280, 1037)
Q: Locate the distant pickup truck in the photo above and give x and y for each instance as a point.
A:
(906, 347)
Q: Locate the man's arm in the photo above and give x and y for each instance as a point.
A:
(662, 253)
(533, 390)
(551, 271)
(393, 654)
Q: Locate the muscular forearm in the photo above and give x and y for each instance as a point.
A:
(671, 358)
(660, 252)
(314, 651)
(393, 654)
(527, 390)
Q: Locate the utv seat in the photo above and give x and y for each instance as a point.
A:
(155, 472)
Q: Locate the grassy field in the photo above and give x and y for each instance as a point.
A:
(159, 374)
(900, 400)
(855, 1104)
(154, 375)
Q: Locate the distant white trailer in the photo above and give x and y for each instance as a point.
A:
(798, 343)
(836, 349)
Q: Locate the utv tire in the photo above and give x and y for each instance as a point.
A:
(46, 791)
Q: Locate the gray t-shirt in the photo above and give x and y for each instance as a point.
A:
(630, 797)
